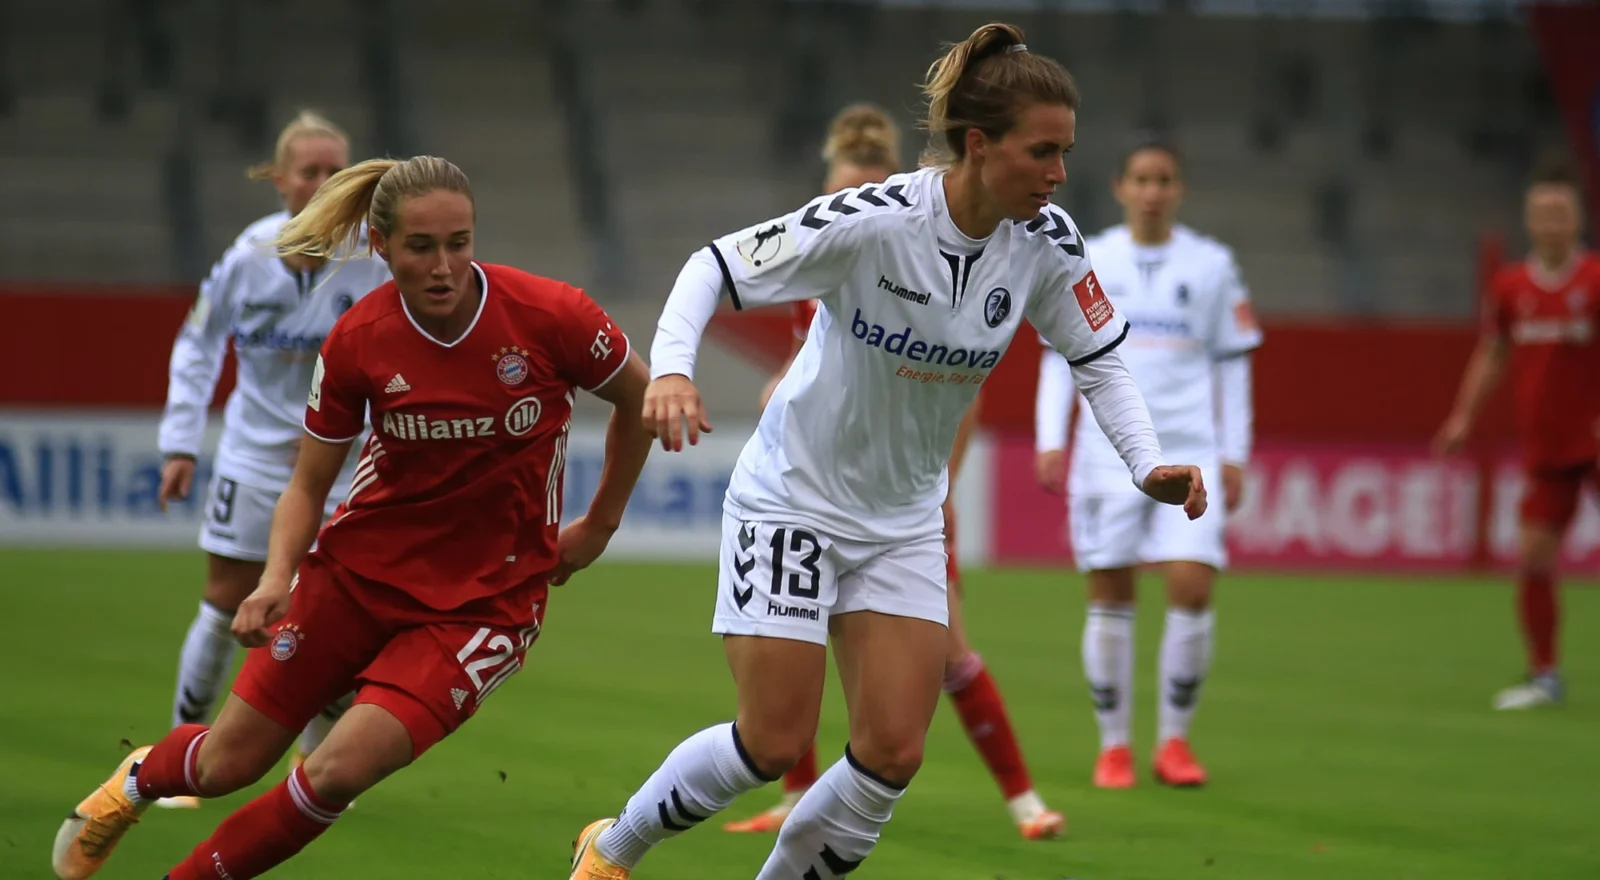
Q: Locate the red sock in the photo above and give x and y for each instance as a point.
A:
(169, 769)
(262, 834)
(1536, 603)
(983, 714)
(803, 774)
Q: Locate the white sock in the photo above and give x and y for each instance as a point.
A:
(699, 779)
(202, 667)
(835, 826)
(1108, 664)
(1185, 660)
(1025, 807)
(317, 730)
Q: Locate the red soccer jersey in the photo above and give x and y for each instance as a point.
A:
(457, 495)
(1551, 324)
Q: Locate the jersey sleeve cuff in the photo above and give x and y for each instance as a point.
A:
(627, 351)
(1235, 353)
(1101, 352)
(727, 277)
(330, 439)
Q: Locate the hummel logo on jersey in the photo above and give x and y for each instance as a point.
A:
(904, 293)
(415, 426)
(904, 344)
(459, 696)
(397, 385)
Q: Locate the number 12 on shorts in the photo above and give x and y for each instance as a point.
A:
(491, 670)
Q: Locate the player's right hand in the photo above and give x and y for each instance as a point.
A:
(669, 402)
(261, 609)
(1050, 469)
(177, 478)
(1452, 435)
(1178, 484)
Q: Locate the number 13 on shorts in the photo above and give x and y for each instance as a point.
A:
(774, 580)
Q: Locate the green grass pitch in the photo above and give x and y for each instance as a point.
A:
(1346, 725)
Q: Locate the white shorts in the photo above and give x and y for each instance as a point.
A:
(238, 518)
(785, 582)
(1125, 528)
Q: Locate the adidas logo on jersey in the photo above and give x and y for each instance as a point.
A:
(459, 696)
(904, 344)
(415, 426)
(397, 385)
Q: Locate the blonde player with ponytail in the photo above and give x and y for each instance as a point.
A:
(833, 532)
(276, 311)
(863, 147)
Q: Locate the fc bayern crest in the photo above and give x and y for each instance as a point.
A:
(997, 306)
(286, 642)
(511, 365)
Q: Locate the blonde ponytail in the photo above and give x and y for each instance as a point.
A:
(984, 82)
(865, 136)
(370, 192)
(308, 123)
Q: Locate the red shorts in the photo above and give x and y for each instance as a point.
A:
(1551, 497)
(430, 669)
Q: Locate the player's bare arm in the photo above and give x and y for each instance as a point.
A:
(294, 527)
(627, 447)
(1484, 369)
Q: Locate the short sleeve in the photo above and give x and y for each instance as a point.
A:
(1234, 328)
(806, 254)
(1071, 311)
(336, 410)
(592, 348)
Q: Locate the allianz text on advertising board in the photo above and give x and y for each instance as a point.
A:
(1334, 507)
(91, 479)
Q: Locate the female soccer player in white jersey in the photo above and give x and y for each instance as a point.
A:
(1189, 351)
(832, 525)
(276, 310)
(863, 147)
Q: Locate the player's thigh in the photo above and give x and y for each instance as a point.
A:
(242, 744)
(1107, 528)
(433, 677)
(315, 652)
(230, 581)
(891, 640)
(237, 520)
(779, 681)
(957, 645)
(1190, 553)
(1549, 505)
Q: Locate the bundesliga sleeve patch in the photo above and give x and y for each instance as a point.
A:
(766, 246)
(1093, 301)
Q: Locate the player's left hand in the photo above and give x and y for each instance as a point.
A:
(1232, 486)
(1178, 484)
(577, 546)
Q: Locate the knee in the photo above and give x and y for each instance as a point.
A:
(339, 779)
(895, 762)
(776, 748)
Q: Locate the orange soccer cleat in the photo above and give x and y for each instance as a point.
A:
(1048, 825)
(1175, 765)
(94, 828)
(587, 863)
(1115, 768)
(767, 821)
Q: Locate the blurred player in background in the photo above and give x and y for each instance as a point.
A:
(1189, 350)
(863, 147)
(833, 528)
(276, 310)
(1542, 319)
(427, 587)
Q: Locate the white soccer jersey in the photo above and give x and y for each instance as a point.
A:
(912, 317)
(1189, 310)
(277, 319)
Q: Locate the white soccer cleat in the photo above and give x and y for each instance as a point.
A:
(1541, 690)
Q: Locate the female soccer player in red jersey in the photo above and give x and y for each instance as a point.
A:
(428, 586)
(863, 147)
(1542, 319)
